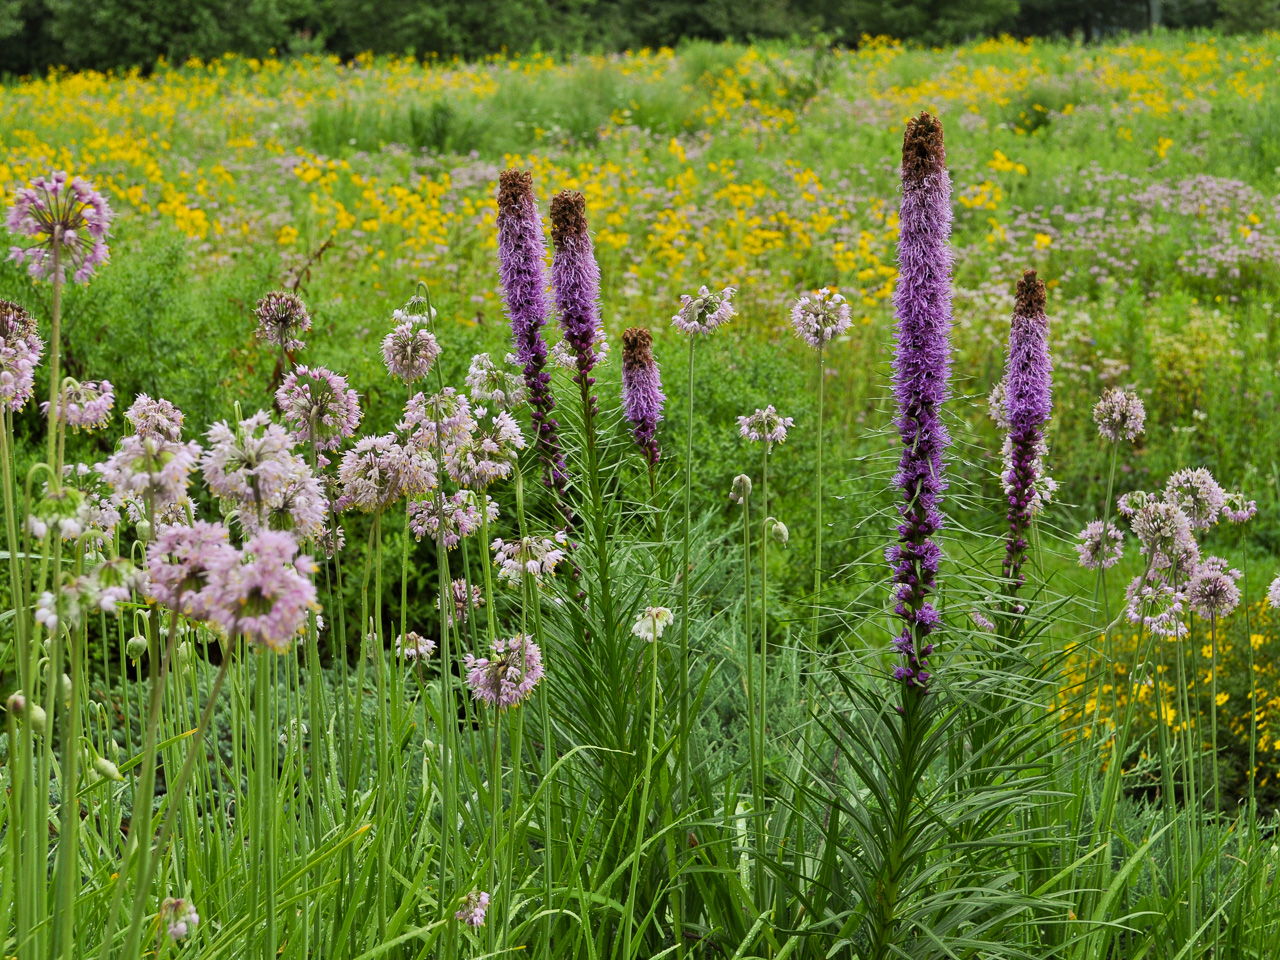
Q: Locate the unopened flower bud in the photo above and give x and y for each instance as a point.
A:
(183, 656)
(108, 770)
(17, 704)
(778, 531)
(136, 647)
(144, 530)
(64, 690)
(741, 488)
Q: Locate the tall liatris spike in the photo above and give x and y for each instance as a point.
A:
(524, 289)
(642, 396)
(921, 368)
(575, 280)
(1028, 401)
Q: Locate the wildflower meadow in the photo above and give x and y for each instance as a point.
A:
(726, 502)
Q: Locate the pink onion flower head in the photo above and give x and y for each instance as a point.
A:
(413, 646)
(1212, 591)
(463, 602)
(1157, 605)
(642, 396)
(186, 566)
(521, 250)
(1119, 415)
(266, 597)
(818, 318)
(319, 407)
(152, 467)
(1028, 403)
(282, 317)
(701, 315)
(180, 916)
(489, 383)
(765, 426)
(473, 909)
(1198, 495)
(487, 455)
(20, 351)
(155, 418)
(1101, 545)
(66, 212)
(84, 406)
(1164, 534)
(508, 676)
(1273, 594)
(536, 557)
(921, 373)
(249, 465)
(575, 282)
(435, 423)
(379, 471)
(461, 514)
(652, 622)
(1236, 509)
(1128, 504)
(409, 350)
(298, 505)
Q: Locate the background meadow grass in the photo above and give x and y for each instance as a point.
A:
(1141, 178)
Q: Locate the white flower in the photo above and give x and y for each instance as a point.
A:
(650, 624)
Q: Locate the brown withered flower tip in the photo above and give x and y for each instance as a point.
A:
(923, 151)
(1030, 296)
(568, 216)
(514, 186)
(637, 347)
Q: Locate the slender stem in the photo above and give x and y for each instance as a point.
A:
(752, 713)
(817, 505)
(644, 796)
(55, 351)
(264, 715)
(678, 902)
(757, 748)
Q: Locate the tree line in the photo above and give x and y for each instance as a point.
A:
(116, 34)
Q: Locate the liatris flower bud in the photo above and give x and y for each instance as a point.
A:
(181, 917)
(575, 278)
(281, 318)
(765, 426)
(508, 679)
(820, 318)
(409, 350)
(155, 418)
(63, 211)
(1196, 494)
(1100, 547)
(1237, 509)
(84, 406)
(473, 909)
(1119, 415)
(741, 488)
(20, 352)
(703, 313)
(921, 368)
(642, 396)
(1027, 402)
(319, 407)
(412, 646)
(651, 623)
(489, 383)
(1212, 590)
(520, 259)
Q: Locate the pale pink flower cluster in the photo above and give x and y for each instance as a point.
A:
(66, 212)
(319, 407)
(1101, 546)
(765, 426)
(535, 556)
(820, 317)
(461, 516)
(409, 350)
(507, 677)
(705, 312)
(489, 383)
(84, 406)
(281, 318)
(378, 471)
(486, 455)
(181, 917)
(1119, 415)
(20, 351)
(435, 422)
(155, 418)
(461, 606)
(473, 909)
(152, 467)
(1213, 591)
(413, 646)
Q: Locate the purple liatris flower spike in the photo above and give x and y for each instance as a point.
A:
(281, 318)
(66, 212)
(507, 678)
(1101, 546)
(642, 396)
(820, 317)
(765, 426)
(84, 406)
(703, 313)
(521, 247)
(921, 369)
(155, 418)
(20, 352)
(1027, 402)
(575, 279)
(473, 909)
(319, 407)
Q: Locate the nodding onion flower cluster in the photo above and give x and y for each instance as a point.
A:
(63, 212)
